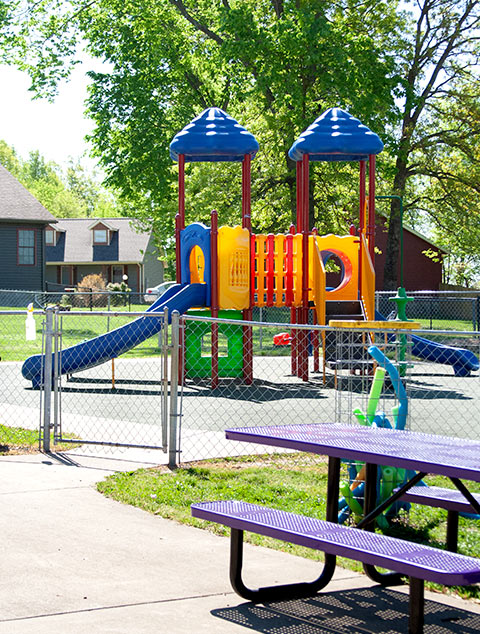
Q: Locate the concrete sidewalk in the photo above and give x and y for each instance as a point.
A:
(74, 561)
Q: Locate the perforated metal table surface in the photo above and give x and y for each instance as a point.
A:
(442, 455)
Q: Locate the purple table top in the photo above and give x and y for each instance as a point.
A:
(441, 455)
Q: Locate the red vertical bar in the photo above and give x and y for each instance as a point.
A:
(299, 195)
(246, 192)
(270, 268)
(288, 270)
(371, 206)
(293, 343)
(253, 260)
(303, 312)
(243, 192)
(181, 189)
(293, 311)
(178, 260)
(214, 295)
(362, 196)
(248, 314)
(316, 346)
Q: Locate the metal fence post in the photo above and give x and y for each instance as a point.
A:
(56, 372)
(172, 444)
(47, 379)
(163, 342)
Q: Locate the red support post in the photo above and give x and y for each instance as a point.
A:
(371, 206)
(181, 188)
(246, 192)
(293, 310)
(270, 268)
(248, 313)
(178, 261)
(214, 295)
(299, 195)
(303, 312)
(362, 196)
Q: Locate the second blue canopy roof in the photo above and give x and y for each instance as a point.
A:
(213, 136)
(336, 136)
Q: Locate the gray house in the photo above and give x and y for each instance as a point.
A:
(22, 236)
(110, 247)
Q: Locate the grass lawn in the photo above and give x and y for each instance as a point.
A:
(75, 329)
(283, 483)
(17, 440)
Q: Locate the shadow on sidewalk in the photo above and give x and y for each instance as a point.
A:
(363, 611)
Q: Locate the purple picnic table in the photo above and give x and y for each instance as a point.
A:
(455, 458)
(442, 455)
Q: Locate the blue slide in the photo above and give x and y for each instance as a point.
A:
(462, 360)
(112, 344)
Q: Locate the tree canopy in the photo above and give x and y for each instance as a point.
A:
(72, 194)
(407, 70)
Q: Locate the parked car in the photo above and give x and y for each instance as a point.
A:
(153, 293)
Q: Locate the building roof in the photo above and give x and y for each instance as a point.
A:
(128, 246)
(17, 204)
(336, 136)
(213, 136)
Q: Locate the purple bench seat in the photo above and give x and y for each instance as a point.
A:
(449, 499)
(420, 563)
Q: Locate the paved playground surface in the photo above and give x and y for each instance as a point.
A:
(75, 561)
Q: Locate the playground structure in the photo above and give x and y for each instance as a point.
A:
(231, 269)
(241, 269)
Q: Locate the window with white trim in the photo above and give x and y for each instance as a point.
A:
(100, 236)
(26, 247)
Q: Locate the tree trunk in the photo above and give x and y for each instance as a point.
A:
(391, 279)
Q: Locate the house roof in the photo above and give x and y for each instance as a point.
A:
(78, 247)
(213, 136)
(17, 204)
(336, 136)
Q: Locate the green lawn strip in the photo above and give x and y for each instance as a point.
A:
(17, 440)
(282, 483)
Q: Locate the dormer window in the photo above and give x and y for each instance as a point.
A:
(100, 236)
(50, 237)
(102, 232)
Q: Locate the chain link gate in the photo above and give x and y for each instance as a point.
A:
(120, 403)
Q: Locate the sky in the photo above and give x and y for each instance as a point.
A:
(57, 130)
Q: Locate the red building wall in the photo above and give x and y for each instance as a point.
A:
(419, 272)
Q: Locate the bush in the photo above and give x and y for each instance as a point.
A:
(67, 300)
(90, 284)
(119, 292)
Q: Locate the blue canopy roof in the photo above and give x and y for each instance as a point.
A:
(336, 136)
(213, 136)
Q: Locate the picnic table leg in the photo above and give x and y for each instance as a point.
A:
(452, 531)
(291, 590)
(384, 578)
(416, 606)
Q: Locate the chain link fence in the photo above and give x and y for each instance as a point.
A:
(67, 299)
(159, 391)
(436, 310)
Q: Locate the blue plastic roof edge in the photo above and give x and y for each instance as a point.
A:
(336, 136)
(213, 136)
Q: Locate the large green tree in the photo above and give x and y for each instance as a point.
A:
(435, 163)
(274, 65)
